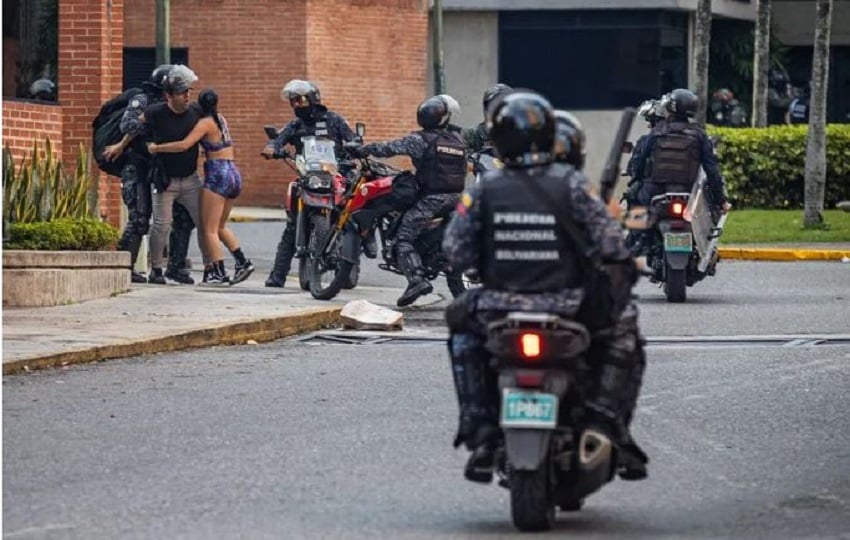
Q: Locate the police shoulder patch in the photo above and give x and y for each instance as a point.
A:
(135, 103)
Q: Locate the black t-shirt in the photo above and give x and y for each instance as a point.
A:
(168, 126)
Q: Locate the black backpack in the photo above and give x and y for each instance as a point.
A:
(106, 130)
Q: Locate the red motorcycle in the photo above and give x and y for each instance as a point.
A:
(375, 202)
(316, 197)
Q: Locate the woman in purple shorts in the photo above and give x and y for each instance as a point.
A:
(222, 184)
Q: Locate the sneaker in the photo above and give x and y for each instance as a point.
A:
(137, 277)
(275, 281)
(180, 276)
(414, 291)
(156, 276)
(242, 271)
(214, 279)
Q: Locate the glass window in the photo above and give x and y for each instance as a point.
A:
(594, 59)
(30, 48)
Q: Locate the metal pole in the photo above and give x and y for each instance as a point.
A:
(439, 67)
(163, 32)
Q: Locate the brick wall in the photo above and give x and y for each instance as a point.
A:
(373, 68)
(23, 122)
(90, 72)
(368, 56)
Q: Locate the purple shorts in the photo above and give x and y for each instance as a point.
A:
(222, 176)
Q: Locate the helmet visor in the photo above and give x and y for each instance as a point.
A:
(296, 92)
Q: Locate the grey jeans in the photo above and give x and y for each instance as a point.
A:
(186, 191)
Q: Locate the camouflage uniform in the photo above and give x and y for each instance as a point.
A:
(617, 347)
(136, 192)
(476, 138)
(423, 210)
(335, 128)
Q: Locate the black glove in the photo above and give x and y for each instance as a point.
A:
(354, 149)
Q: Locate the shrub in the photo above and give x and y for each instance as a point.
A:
(765, 167)
(62, 235)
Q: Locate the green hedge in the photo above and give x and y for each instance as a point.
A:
(764, 167)
(62, 235)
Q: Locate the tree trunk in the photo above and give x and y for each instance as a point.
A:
(815, 178)
(702, 40)
(761, 64)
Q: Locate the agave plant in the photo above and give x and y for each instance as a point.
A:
(39, 189)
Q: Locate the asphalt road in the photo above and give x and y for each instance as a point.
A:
(301, 440)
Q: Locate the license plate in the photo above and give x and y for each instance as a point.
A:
(678, 242)
(528, 409)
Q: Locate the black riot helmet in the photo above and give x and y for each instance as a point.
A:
(43, 90)
(432, 113)
(682, 103)
(155, 82)
(495, 91)
(569, 139)
(522, 128)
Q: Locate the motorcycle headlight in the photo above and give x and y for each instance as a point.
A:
(318, 182)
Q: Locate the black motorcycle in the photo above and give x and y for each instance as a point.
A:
(548, 459)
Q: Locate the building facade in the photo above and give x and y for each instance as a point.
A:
(372, 60)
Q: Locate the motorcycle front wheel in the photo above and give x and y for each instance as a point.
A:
(327, 276)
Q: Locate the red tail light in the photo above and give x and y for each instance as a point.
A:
(530, 345)
(677, 208)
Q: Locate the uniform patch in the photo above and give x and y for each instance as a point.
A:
(135, 103)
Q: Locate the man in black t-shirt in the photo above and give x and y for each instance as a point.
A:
(171, 121)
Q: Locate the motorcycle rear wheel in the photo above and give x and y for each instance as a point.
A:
(532, 507)
(675, 285)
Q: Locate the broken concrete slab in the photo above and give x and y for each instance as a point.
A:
(364, 315)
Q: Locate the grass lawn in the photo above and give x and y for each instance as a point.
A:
(760, 226)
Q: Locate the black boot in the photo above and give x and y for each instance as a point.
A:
(605, 414)
(283, 256)
(411, 264)
(370, 245)
(481, 463)
(178, 246)
(132, 242)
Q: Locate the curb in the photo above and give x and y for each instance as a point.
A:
(776, 254)
(259, 330)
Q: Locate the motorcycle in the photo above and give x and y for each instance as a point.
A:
(548, 460)
(373, 204)
(683, 241)
(320, 191)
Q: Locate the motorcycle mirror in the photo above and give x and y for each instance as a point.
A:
(271, 132)
(628, 147)
(360, 128)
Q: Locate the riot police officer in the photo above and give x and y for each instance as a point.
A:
(478, 137)
(312, 118)
(672, 153)
(545, 276)
(439, 155)
(136, 189)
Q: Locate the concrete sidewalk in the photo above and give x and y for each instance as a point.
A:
(154, 318)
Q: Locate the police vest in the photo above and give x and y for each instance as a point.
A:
(525, 250)
(443, 167)
(676, 154)
(799, 111)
